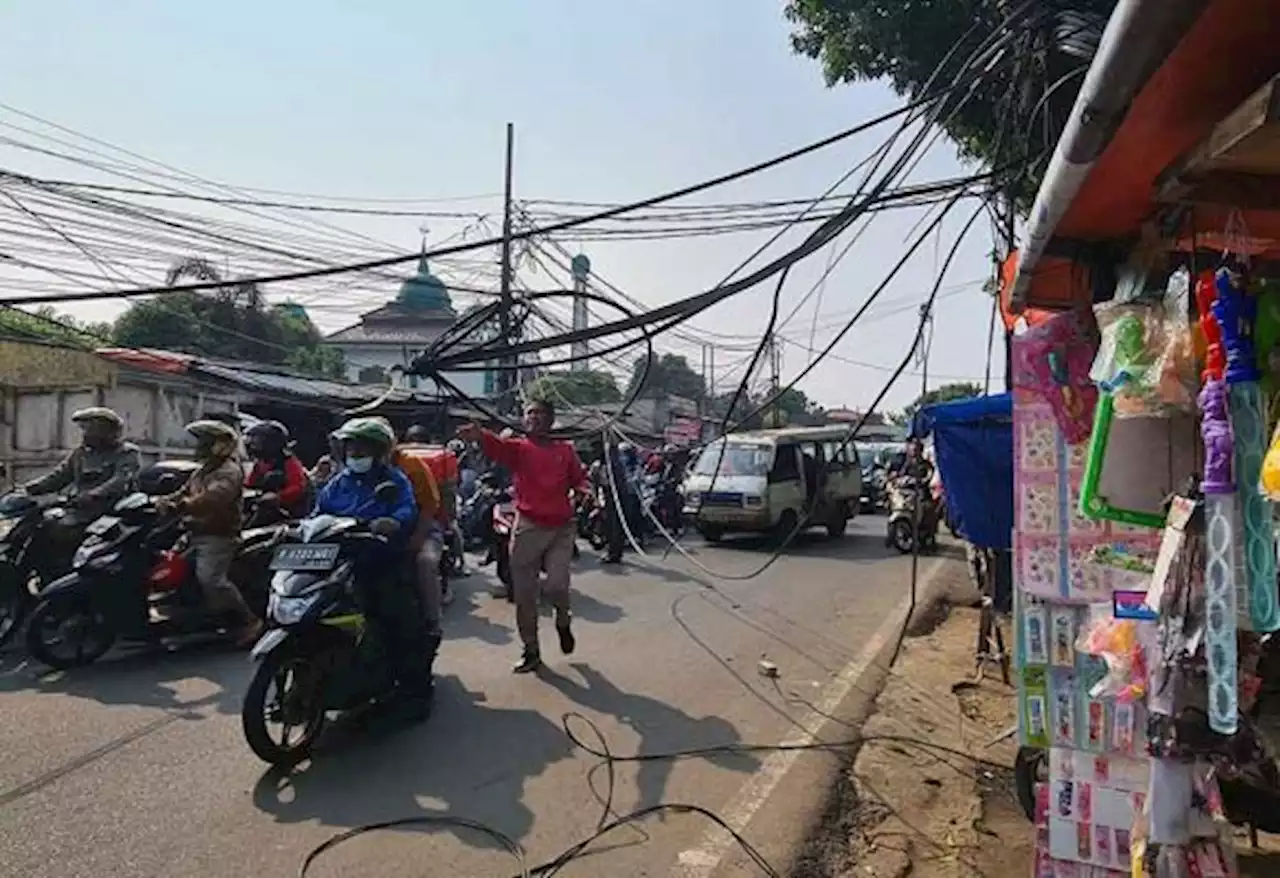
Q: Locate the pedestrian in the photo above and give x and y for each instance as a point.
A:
(544, 472)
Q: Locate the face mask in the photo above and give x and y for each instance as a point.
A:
(359, 465)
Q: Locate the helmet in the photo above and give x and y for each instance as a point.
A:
(212, 430)
(267, 437)
(457, 446)
(375, 430)
(98, 413)
(417, 433)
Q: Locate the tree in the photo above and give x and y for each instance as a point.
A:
(945, 393)
(46, 324)
(233, 322)
(669, 375)
(905, 41)
(575, 388)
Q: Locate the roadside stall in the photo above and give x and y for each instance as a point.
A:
(1146, 455)
(973, 444)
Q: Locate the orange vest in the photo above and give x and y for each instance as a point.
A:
(443, 464)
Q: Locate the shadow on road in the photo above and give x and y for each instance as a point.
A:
(473, 758)
(662, 729)
(146, 678)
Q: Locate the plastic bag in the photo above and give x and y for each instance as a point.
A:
(1117, 642)
(1146, 360)
(1269, 482)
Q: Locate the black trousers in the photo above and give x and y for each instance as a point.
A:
(391, 602)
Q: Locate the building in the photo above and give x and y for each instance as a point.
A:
(390, 337)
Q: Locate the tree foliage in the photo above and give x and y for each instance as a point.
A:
(669, 375)
(1011, 114)
(575, 388)
(233, 323)
(945, 393)
(46, 324)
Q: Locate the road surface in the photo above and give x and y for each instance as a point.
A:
(137, 767)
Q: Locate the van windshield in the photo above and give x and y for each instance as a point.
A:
(739, 459)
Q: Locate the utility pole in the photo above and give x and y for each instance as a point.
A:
(580, 267)
(507, 364)
(775, 367)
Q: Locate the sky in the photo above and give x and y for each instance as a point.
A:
(392, 101)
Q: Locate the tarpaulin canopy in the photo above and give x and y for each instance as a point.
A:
(973, 444)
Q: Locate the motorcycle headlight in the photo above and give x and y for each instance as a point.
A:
(289, 611)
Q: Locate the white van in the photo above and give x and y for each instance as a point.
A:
(767, 479)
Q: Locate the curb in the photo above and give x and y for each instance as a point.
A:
(777, 809)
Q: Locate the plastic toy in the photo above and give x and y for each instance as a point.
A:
(1236, 312)
(1053, 360)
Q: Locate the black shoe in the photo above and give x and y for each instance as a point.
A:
(529, 662)
(611, 560)
(567, 641)
(413, 708)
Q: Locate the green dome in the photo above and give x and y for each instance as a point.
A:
(424, 291)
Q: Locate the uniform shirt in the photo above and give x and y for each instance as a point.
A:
(352, 494)
(542, 475)
(107, 472)
(211, 499)
(426, 493)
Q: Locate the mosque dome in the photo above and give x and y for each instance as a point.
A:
(425, 292)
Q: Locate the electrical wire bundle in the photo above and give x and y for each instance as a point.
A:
(471, 345)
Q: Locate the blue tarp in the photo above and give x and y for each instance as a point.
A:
(973, 444)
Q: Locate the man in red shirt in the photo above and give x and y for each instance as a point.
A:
(543, 472)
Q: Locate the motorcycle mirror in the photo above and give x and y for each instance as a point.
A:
(387, 492)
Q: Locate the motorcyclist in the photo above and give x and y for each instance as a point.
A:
(389, 600)
(267, 443)
(914, 465)
(427, 540)
(210, 505)
(93, 476)
(329, 464)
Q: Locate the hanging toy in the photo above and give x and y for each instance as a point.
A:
(1052, 360)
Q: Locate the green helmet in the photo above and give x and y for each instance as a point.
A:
(373, 430)
(211, 430)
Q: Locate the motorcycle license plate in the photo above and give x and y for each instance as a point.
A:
(102, 525)
(303, 556)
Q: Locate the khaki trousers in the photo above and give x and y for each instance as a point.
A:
(533, 549)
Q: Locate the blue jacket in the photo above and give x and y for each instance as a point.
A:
(349, 494)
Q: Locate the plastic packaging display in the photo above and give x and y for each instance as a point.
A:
(1145, 361)
(1118, 642)
(1269, 484)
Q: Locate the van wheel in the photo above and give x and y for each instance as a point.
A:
(710, 533)
(786, 526)
(837, 526)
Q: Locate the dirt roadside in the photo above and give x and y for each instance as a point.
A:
(931, 792)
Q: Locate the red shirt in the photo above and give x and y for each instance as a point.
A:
(542, 475)
(295, 482)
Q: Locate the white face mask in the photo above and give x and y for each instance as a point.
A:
(359, 465)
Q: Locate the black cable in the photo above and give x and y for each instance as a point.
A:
(555, 227)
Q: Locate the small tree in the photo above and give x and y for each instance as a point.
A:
(669, 375)
(945, 393)
(574, 388)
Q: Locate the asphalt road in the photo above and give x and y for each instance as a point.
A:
(137, 767)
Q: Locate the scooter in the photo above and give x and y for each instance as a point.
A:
(133, 579)
(504, 522)
(320, 654)
(26, 563)
(902, 532)
(874, 489)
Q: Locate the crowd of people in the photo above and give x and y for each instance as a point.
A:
(388, 482)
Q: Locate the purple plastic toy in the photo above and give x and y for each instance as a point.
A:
(1215, 430)
(1236, 310)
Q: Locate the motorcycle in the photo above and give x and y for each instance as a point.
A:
(591, 521)
(874, 489)
(133, 579)
(320, 653)
(26, 564)
(902, 533)
(504, 522)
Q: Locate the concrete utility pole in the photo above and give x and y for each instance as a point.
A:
(580, 266)
(507, 364)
